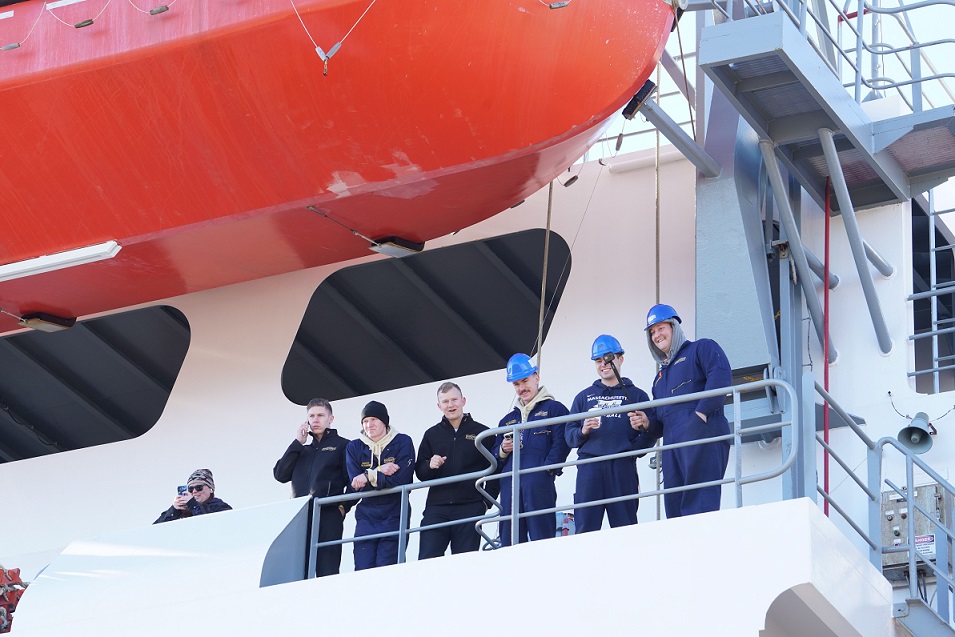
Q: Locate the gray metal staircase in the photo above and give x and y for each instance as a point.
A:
(788, 92)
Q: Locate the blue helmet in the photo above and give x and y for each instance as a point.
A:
(605, 344)
(659, 313)
(519, 366)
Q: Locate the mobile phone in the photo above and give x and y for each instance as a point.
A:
(509, 436)
(182, 489)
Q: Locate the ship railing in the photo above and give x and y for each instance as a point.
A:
(921, 564)
(864, 50)
(497, 513)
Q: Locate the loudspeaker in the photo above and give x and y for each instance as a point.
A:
(916, 436)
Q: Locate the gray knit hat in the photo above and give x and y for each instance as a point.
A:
(202, 476)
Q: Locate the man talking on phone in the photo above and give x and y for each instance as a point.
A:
(315, 465)
(197, 497)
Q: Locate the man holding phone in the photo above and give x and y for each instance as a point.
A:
(196, 497)
(603, 436)
(315, 465)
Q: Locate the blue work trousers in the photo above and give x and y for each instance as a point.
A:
(601, 480)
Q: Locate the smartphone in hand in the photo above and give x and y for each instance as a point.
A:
(182, 489)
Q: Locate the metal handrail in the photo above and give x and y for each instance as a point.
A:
(492, 473)
(803, 16)
(871, 487)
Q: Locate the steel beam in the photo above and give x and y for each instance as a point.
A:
(855, 239)
(795, 242)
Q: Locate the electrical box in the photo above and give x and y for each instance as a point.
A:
(895, 526)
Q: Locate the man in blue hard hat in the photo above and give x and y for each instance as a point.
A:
(539, 446)
(687, 367)
(605, 435)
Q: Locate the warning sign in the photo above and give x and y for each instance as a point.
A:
(925, 544)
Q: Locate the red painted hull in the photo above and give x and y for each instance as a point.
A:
(197, 137)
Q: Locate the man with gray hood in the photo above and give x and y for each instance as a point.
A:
(687, 367)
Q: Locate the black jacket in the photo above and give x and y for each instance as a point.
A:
(316, 469)
(213, 505)
(462, 457)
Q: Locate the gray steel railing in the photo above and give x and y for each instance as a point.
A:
(871, 484)
(860, 57)
(497, 512)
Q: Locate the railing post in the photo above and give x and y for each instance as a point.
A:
(403, 525)
(737, 448)
(314, 527)
(800, 480)
(910, 527)
(516, 489)
(807, 436)
(874, 482)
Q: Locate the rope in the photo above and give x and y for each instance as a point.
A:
(686, 81)
(147, 11)
(88, 22)
(540, 319)
(332, 51)
(656, 182)
(36, 22)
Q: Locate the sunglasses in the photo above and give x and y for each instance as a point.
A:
(198, 487)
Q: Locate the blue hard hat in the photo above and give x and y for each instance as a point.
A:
(659, 313)
(605, 344)
(519, 366)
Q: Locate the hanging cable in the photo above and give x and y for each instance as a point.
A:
(325, 57)
(543, 303)
(82, 23)
(686, 80)
(155, 10)
(17, 45)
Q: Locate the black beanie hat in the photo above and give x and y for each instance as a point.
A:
(375, 409)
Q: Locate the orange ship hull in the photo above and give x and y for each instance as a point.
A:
(196, 138)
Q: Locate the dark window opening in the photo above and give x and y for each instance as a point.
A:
(440, 314)
(101, 381)
(922, 255)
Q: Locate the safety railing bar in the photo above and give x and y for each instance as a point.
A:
(848, 519)
(940, 290)
(849, 471)
(947, 330)
(879, 49)
(849, 420)
(931, 370)
(491, 472)
(893, 84)
(908, 7)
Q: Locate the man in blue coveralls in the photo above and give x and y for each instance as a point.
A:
(539, 446)
(380, 458)
(687, 367)
(606, 435)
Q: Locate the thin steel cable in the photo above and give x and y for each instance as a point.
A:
(686, 81)
(146, 11)
(35, 22)
(73, 25)
(543, 303)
